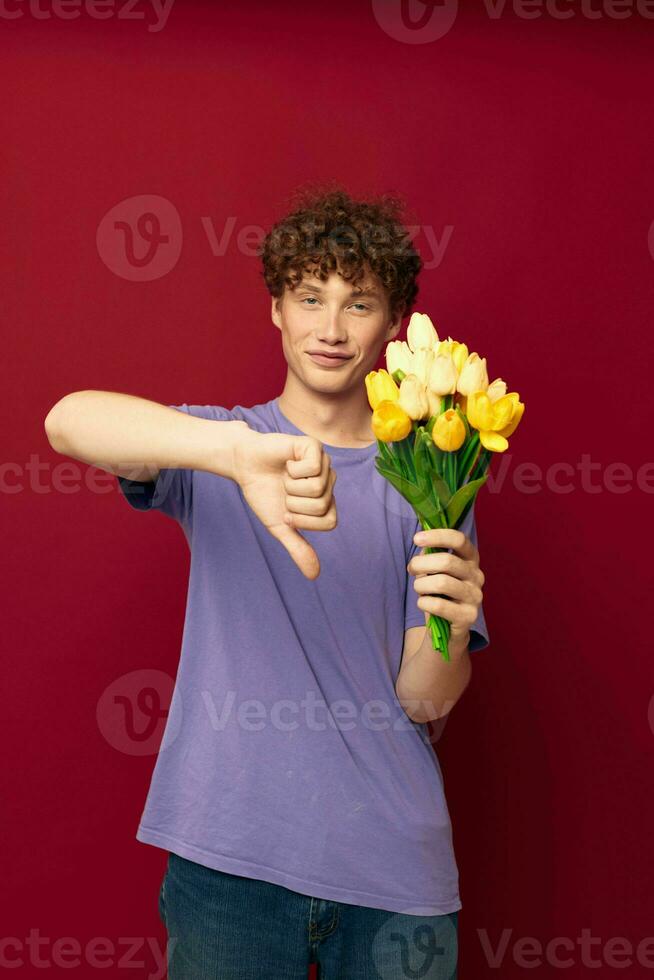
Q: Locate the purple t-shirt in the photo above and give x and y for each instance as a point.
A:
(286, 755)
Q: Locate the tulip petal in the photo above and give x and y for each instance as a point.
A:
(493, 441)
(480, 410)
(509, 429)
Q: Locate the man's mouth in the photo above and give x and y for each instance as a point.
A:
(330, 355)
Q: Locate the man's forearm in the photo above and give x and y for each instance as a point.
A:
(427, 686)
(135, 437)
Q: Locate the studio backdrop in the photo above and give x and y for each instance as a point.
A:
(147, 148)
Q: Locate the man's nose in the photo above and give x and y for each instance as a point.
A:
(332, 329)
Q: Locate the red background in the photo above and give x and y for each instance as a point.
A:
(531, 141)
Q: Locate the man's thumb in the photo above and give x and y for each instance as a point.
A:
(299, 549)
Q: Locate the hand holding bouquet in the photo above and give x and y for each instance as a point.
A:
(437, 422)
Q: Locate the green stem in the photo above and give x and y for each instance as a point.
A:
(405, 454)
(439, 628)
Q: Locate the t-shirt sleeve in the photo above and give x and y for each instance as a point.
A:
(415, 616)
(172, 491)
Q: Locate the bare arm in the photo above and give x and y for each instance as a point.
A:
(450, 585)
(134, 437)
(287, 480)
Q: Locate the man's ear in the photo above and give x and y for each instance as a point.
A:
(394, 325)
(275, 313)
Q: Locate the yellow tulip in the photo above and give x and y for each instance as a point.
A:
(389, 422)
(421, 332)
(473, 376)
(443, 375)
(421, 364)
(518, 412)
(398, 357)
(449, 432)
(494, 420)
(496, 389)
(380, 387)
(413, 397)
(458, 352)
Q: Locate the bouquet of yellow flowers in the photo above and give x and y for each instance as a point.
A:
(437, 422)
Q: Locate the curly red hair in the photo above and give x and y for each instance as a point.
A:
(327, 231)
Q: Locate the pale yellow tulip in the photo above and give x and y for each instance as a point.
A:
(413, 397)
(496, 390)
(459, 352)
(398, 357)
(473, 376)
(434, 403)
(421, 332)
(421, 364)
(443, 375)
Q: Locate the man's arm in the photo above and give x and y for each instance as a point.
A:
(286, 480)
(449, 585)
(135, 438)
(427, 686)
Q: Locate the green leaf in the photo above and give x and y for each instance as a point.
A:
(442, 490)
(464, 419)
(396, 459)
(461, 499)
(385, 452)
(422, 461)
(466, 455)
(421, 503)
(406, 455)
(436, 455)
(431, 463)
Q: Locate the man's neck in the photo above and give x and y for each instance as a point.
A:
(343, 419)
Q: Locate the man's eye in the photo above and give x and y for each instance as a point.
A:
(307, 298)
(361, 304)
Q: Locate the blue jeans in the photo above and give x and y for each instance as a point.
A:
(223, 926)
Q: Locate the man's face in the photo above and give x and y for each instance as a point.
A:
(338, 319)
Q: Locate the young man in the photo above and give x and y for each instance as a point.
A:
(296, 789)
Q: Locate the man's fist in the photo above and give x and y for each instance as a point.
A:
(288, 481)
(449, 585)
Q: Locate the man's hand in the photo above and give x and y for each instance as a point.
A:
(450, 585)
(287, 481)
